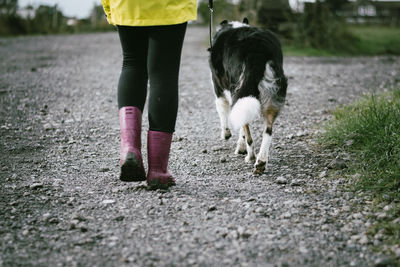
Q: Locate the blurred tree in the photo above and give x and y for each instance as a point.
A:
(336, 6)
(223, 9)
(272, 13)
(249, 9)
(98, 19)
(318, 27)
(48, 19)
(10, 22)
(8, 7)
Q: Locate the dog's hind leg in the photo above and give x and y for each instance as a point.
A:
(223, 109)
(262, 159)
(241, 143)
(249, 144)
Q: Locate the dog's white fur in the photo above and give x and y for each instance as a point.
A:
(245, 110)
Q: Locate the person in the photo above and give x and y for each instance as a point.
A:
(151, 33)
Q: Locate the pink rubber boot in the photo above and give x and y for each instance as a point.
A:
(158, 147)
(130, 120)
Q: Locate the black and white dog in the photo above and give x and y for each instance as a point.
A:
(248, 77)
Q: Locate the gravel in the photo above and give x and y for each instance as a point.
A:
(61, 201)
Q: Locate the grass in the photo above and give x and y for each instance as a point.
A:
(367, 41)
(369, 130)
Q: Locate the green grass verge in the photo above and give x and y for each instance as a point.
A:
(363, 41)
(369, 130)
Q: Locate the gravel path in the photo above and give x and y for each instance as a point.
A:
(61, 202)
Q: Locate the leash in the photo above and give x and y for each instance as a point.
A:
(210, 6)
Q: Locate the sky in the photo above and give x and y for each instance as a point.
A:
(81, 8)
(70, 8)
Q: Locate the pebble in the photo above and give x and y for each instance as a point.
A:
(346, 208)
(363, 240)
(387, 207)
(108, 201)
(325, 227)
(322, 174)
(281, 180)
(337, 164)
(349, 142)
(48, 126)
(104, 169)
(53, 220)
(119, 218)
(301, 133)
(384, 261)
(78, 217)
(296, 182)
(381, 215)
(36, 186)
(397, 252)
(212, 208)
(303, 250)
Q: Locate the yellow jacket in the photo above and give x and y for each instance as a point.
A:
(149, 12)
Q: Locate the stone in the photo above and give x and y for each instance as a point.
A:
(104, 169)
(346, 208)
(35, 186)
(337, 164)
(381, 215)
(397, 252)
(48, 127)
(296, 182)
(349, 142)
(108, 201)
(303, 250)
(384, 261)
(281, 180)
(119, 218)
(322, 174)
(387, 207)
(286, 215)
(363, 240)
(212, 208)
(53, 220)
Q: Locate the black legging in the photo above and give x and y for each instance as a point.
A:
(152, 53)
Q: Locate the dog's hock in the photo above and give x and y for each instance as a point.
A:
(223, 107)
(245, 110)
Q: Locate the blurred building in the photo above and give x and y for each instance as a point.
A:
(362, 11)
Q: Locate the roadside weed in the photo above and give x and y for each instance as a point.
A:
(369, 130)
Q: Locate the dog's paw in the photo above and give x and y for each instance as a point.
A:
(259, 167)
(241, 148)
(250, 158)
(240, 151)
(226, 134)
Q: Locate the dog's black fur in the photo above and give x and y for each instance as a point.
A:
(247, 63)
(251, 46)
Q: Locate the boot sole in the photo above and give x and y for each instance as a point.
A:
(155, 183)
(132, 170)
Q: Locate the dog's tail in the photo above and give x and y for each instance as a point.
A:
(244, 111)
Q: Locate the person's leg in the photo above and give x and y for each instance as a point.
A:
(165, 46)
(132, 86)
(132, 90)
(164, 57)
